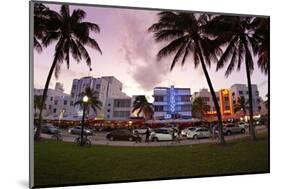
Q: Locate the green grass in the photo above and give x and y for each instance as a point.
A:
(58, 163)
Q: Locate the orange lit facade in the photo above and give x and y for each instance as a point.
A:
(225, 103)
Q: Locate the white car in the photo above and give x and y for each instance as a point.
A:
(244, 125)
(185, 131)
(199, 132)
(162, 134)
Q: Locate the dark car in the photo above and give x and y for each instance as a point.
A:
(49, 129)
(121, 135)
(78, 129)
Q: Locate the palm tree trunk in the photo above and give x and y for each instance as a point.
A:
(252, 128)
(38, 131)
(221, 137)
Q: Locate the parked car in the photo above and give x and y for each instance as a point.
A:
(49, 129)
(78, 129)
(141, 130)
(162, 134)
(231, 128)
(245, 125)
(198, 132)
(121, 134)
(186, 130)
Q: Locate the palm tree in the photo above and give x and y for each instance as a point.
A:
(237, 35)
(199, 107)
(37, 103)
(93, 101)
(241, 104)
(186, 35)
(142, 105)
(262, 33)
(71, 35)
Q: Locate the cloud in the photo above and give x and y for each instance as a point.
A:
(139, 50)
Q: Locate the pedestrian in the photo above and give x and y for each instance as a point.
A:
(138, 137)
(147, 134)
(173, 135)
(178, 135)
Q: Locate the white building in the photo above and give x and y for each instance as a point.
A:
(57, 102)
(238, 90)
(172, 102)
(107, 87)
(118, 108)
(206, 97)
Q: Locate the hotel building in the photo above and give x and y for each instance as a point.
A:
(223, 97)
(172, 103)
(107, 87)
(238, 90)
(227, 98)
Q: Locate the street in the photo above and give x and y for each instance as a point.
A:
(100, 139)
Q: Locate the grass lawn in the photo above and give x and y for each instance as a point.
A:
(58, 163)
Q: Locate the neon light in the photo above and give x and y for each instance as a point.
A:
(172, 100)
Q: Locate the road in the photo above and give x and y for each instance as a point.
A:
(100, 139)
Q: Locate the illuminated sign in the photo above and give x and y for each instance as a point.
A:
(172, 103)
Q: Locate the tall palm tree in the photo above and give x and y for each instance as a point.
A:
(186, 35)
(199, 108)
(241, 104)
(93, 103)
(37, 103)
(237, 35)
(71, 35)
(142, 105)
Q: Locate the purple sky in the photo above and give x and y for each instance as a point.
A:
(129, 54)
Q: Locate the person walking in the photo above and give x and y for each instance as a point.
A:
(173, 135)
(147, 134)
(138, 137)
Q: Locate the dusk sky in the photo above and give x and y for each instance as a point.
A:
(129, 54)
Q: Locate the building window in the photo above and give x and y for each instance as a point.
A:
(50, 107)
(51, 98)
(257, 93)
(56, 102)
(65, 102)
(158, 108)
(108, 110)
(122, 103)
(185, 108)
(74, 87)
(233, 93)
(185, 98)
(227, 108)
(71, 103)
(98, 86)
(159, 98)
(72, 95)
(121, 114)
(109, 104)
(54, 110)
(240, 92)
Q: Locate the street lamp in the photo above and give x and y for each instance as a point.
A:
(85, 100)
